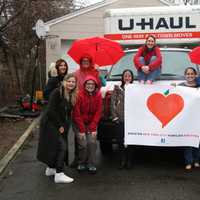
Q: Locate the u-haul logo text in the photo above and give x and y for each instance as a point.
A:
(161, 23)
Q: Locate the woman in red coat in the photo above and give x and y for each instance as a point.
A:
(87, 113)
(86, 68)
(148, 61)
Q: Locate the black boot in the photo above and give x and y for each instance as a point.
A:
(128, 151)
(122, 162)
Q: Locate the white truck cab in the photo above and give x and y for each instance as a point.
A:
(174, 63)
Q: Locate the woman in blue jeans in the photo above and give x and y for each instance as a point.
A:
(191, 154)
(148, 61)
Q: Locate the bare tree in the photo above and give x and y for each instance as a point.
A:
(18, 41)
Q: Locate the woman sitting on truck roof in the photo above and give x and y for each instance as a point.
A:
(148, 61)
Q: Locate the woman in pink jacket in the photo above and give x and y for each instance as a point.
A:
(148, 61)
(86, 68)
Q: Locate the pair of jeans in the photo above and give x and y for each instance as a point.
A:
(154, 74)
(87, 149)
(191, 155)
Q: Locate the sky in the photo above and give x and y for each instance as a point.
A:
(93, 1)
(87, 2)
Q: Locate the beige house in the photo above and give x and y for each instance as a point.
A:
(87, 22)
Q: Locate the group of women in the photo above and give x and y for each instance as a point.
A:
(75, 99)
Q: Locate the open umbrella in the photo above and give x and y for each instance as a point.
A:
(103, 51)
(195, 55)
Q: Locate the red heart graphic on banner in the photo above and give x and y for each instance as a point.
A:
(165, 108)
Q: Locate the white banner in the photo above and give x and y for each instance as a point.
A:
(157, 115)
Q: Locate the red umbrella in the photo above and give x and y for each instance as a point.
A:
(103, 51)
(195, 55)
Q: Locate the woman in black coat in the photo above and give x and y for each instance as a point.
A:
(55, 81)
(54, 127)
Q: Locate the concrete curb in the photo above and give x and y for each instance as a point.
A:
(12, 152)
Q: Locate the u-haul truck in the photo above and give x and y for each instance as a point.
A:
(170, 24)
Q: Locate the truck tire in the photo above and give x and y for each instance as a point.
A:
(105, 147)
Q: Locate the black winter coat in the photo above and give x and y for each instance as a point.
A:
(57, 114)
(53, 82)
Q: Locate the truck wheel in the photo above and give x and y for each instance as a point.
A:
(106, 147)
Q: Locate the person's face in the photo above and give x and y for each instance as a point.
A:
(85, 63)
(90, 86)
(70, 84)
(127, 77)
(190, 76)
(62, 68)
(150, 42)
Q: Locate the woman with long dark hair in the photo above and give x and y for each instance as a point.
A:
(117, 111)
(53, 82)
(148, 61)
(191, 154)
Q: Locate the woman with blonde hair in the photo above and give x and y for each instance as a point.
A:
(54, 127)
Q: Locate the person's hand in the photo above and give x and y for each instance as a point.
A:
(115, 120)
(96, 67)
(94, 134)
(145, 69)
(82, 136)
(61, 130)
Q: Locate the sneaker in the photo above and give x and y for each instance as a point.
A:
(62, 178)
(196, 164)
(188, 167)
(142, 81)
(81, 167)
(50, 171)
(92, 169)
(149, 82)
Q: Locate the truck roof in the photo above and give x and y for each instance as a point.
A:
(152, 10)
(162, 49)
